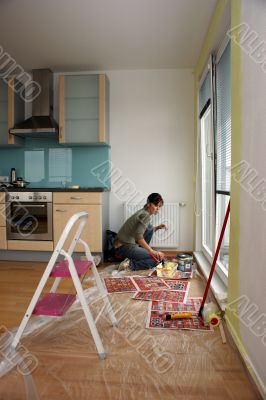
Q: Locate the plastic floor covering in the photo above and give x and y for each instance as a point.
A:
(61, 360)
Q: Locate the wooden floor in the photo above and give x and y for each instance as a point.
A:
(141, 363)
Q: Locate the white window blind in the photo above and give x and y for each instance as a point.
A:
(223, 127)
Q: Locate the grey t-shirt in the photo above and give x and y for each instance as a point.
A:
(134, 227)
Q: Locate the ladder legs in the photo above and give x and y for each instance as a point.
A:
(83, 302)
(104, 296)
(100, 284)
(33, 302)
(91, 323)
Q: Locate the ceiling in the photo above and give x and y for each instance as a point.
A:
(70, 35)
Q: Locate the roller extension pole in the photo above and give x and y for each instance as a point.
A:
(214, 260)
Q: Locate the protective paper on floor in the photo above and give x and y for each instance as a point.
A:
(140, 364)
(156, 317)
(192, 305)
(119, 284)
(145, 283)
(161, 295)
(182, 286)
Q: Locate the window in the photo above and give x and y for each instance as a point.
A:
(207, 179)
(215, 154)
(223, 149)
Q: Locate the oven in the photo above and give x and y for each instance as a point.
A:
(29, 216)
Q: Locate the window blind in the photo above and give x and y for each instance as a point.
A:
(223, 123)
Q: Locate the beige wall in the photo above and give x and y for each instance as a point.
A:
(252, 218)
(151, 121)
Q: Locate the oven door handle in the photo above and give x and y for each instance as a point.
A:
(29, 205)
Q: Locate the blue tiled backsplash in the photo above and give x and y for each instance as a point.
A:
(44, 163)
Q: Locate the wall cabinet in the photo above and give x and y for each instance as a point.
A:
(12, 111)
(3, 242)
(67, 204)
(83, 109)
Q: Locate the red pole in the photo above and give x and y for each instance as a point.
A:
(215, 259)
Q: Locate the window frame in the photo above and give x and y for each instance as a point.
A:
(208, 69)
(206, 250)
(211, 66)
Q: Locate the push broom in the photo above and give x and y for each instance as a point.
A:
(214, 260)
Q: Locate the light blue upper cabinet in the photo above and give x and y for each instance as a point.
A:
(12, 110)
(83, 109)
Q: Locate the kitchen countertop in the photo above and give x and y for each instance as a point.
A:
(54, 189)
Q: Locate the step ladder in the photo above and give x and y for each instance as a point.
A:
(56, 304)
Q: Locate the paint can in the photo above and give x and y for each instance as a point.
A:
(185, 262)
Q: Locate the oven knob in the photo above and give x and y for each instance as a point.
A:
(12, 197)
(40, 197)
(44, 197)
(17, 197)
(30, 197)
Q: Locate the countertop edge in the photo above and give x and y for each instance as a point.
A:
(100, 190)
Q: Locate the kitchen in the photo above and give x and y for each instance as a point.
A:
(53, 161)
(61, 156)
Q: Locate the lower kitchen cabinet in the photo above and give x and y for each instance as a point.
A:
(3, 242)
(30, 245)
(67, 204)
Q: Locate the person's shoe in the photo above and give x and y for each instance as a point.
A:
(124, 265)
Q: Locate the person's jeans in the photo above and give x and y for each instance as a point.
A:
(140, 258)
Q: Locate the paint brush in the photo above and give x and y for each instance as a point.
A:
(158, 261)
(155, 259)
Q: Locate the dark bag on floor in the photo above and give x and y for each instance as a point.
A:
(109, 248)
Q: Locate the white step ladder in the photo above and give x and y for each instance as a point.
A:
(57, 304)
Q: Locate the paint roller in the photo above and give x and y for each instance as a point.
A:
(210, 315)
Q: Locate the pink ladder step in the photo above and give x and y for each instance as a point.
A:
(54, 304)
(61, 269)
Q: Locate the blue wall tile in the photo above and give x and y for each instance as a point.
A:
(45, 163)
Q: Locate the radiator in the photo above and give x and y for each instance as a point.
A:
(168, 215)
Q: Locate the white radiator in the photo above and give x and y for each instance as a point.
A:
(168, 215)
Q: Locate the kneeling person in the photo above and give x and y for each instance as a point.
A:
(135, 235)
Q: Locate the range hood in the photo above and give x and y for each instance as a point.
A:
(41, 124)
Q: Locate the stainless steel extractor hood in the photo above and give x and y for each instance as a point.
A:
(42, 123)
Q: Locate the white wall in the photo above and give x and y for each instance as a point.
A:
(151, 127)
(252, 250)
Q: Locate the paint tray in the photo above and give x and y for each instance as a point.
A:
(167, 270)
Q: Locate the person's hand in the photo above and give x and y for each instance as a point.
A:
(161, 255)
(158, 254)
(161, 226)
